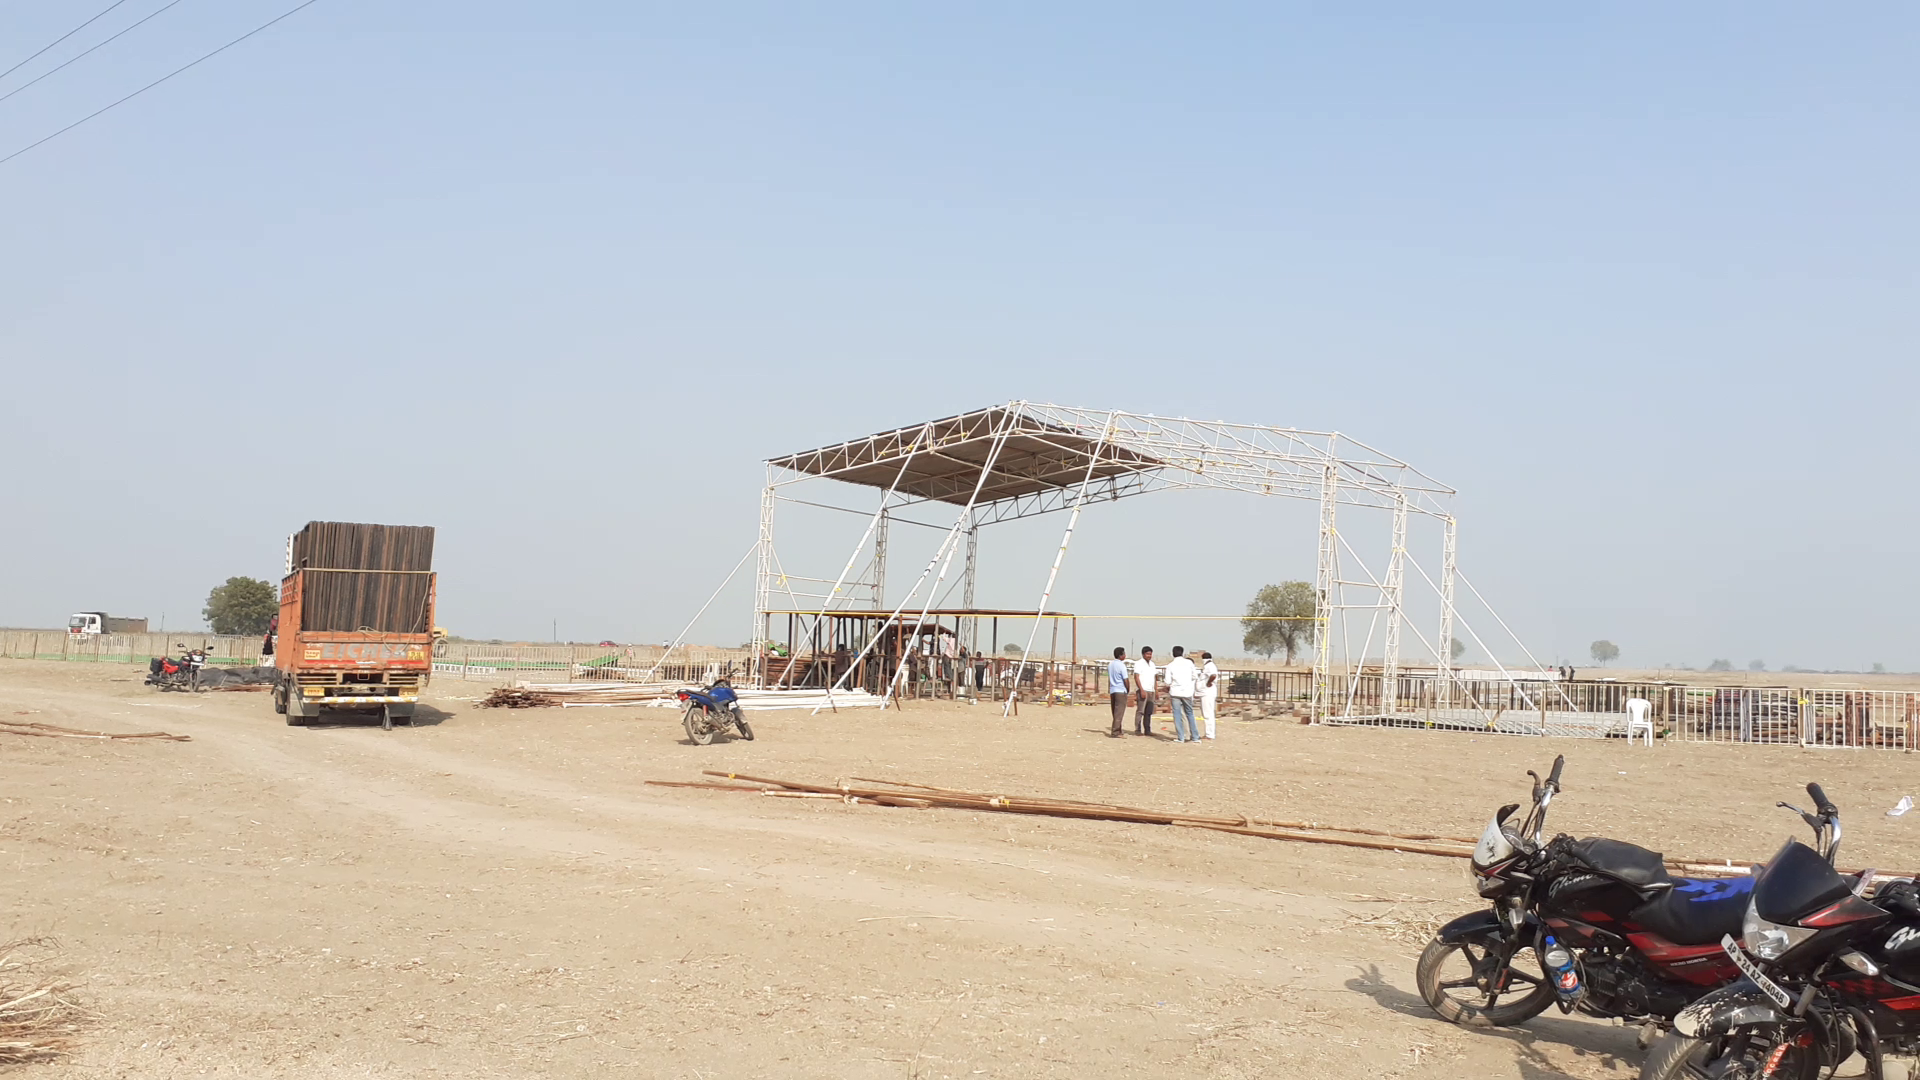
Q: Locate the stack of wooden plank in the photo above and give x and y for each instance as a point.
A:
(364, 577)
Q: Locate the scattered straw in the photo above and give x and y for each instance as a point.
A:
(38, 1017)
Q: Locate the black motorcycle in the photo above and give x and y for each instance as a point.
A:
(1828, 973)
(1594, 924)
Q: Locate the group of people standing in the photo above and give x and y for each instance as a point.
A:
(1185, 682)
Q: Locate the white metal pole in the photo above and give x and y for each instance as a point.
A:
(878, 521)
(880, 557)
(953, 535)
(945, 548)
(1046, 595)
(703, 610)
(763, 582)
(1396, 580)
(1326, 577)
(1445, 645)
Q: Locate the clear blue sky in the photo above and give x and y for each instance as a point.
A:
(1639, 282)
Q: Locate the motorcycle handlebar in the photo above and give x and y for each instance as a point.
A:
(1553, 778)
(1821, 803)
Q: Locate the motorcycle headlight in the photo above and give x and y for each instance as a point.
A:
(1769, 940)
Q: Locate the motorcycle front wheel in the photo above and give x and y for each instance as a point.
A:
(1677, 1057)
(745, 731)
(1465, 982)
(697, 728)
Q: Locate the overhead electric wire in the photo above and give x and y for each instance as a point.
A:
(61, 38)
(195, 63)
(83, 55)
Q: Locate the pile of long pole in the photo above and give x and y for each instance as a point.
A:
(896, 793)
(752, 700)
(922, 796)
(50, 731)
(532, 695)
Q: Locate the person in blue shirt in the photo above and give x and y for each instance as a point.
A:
(1117, 688)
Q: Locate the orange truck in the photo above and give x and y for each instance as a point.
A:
(356, 629)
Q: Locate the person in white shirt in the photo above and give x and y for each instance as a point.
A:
(1209, 690)
(1181, 677)
(1144, 674)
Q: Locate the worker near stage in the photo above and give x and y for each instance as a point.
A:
(1144, 674)
(1117, 688)
(1209, 691)
(1182, 680)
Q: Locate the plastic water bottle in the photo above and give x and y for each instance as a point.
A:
(1559, 961)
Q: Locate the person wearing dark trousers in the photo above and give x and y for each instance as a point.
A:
(1143, 684)
(1117, 688)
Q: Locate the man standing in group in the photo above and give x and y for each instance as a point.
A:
(1209, 690)
(1117, 688)
(1143, 684)
(1181, 676)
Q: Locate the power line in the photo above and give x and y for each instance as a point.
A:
(61, 38)
(290, 11)
(109, 41)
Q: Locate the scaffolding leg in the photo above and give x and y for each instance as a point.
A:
(763, 583)
(1396, 580)
(1325, 582)
(1445, 660)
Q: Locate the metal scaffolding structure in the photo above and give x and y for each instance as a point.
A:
(1024, 459)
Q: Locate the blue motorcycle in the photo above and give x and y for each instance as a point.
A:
(713, 711)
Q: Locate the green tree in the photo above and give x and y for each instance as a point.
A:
(243, 605)
(1279, 618)
(1603, 651)
(1720, 665)
(1458, 649)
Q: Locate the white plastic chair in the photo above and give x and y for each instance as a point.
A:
(1639, 719)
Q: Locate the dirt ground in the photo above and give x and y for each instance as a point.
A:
(496, 893)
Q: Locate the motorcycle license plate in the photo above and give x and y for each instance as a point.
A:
(1752, 971)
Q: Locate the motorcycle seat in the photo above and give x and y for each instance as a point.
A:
(1697, 911)
(1617, 859)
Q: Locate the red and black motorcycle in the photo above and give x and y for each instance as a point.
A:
(1592, 924)
(1829, 972)
(183, 674)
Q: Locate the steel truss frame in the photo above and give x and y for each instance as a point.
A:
(1024, 459)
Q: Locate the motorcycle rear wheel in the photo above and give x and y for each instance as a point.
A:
(697, 727)
(1535, 992)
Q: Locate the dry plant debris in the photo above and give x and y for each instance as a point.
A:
(38, 1018)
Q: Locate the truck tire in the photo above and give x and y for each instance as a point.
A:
(280, 701)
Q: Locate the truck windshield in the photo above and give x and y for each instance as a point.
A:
(78, 620)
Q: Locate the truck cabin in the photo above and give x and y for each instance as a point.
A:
(86, 622)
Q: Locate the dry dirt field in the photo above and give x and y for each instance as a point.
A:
(496, 893)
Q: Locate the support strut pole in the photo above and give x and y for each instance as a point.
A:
(1327, 579)
(1046, 595)
(1445, 644)
(763, 583)
(1396, 580)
